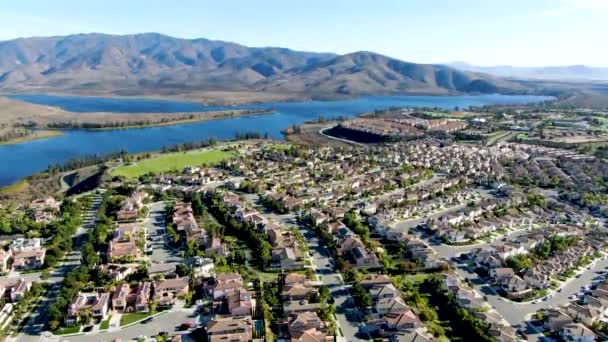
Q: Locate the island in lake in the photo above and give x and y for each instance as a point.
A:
(22, 121)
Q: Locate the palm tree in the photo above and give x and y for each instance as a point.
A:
(84, 316)
(153, 305)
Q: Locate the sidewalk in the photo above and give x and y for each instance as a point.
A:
(115, 322)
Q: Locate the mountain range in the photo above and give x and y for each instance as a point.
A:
(152, 63)
(563, 73)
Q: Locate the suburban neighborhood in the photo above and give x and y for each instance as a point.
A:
(415, 239)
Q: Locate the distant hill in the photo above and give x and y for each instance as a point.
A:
(152, 63)
(371, 73)
(556, 73)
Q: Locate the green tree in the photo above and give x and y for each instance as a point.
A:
(324, 294)
(84, 316)
(519, 262)
(361, 297)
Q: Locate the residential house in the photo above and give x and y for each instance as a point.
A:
(385, 305)
(238, 303)
(500, 274)
(168, 290)
(303, 322)
(384, 291)
(48, 203)
(216, 246)
(185, 224)
(129, 298)
(556, 319)
(577, 332)
(230, 329)
(24, 245)
(131, 207)
(502, 333)
(97, 303)
(285, 258)
(515, 287)
(29, 259)
(583, 313)
(4, 258)
(295, 278)
(118, 271)
(537, 279)
(14, 288)
(297, 292)
(372, 280)
(226, 284)
(203, 267)
(124, 244)
(402, 321)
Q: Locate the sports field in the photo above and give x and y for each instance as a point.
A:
(172, 162)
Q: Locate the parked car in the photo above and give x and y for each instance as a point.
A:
(186, 326)
(148, 320)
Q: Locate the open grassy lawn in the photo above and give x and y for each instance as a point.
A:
(68, 330)
(133, 317)
(418, 277)
(105, 325)
(279, 146)
(172, 161)
(14, 188)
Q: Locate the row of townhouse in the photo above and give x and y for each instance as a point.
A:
(354, 251)
(418, 250)
(522, 283)
(186, 225)
(233, 307)
(126, 298)
(474, 229)
(191, 176)
(469, 299)
(229, 295)
(391, 317)
(129, 211)
(286, 252)
(574, 322)
(298, 296)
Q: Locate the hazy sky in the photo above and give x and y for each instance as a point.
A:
(483, 32)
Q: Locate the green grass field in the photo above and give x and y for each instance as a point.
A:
(129, 318)
(105, 325)
(172, 162)
(68, 330)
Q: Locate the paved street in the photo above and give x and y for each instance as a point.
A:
(517, 313)
(155, 231)
(323, 265)
(406, 225)
(37, 321)
(165, 322)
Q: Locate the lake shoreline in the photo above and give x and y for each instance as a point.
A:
(29, 158)
(202, 118)
(37, 135)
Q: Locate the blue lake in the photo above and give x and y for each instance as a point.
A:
(21, 160)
